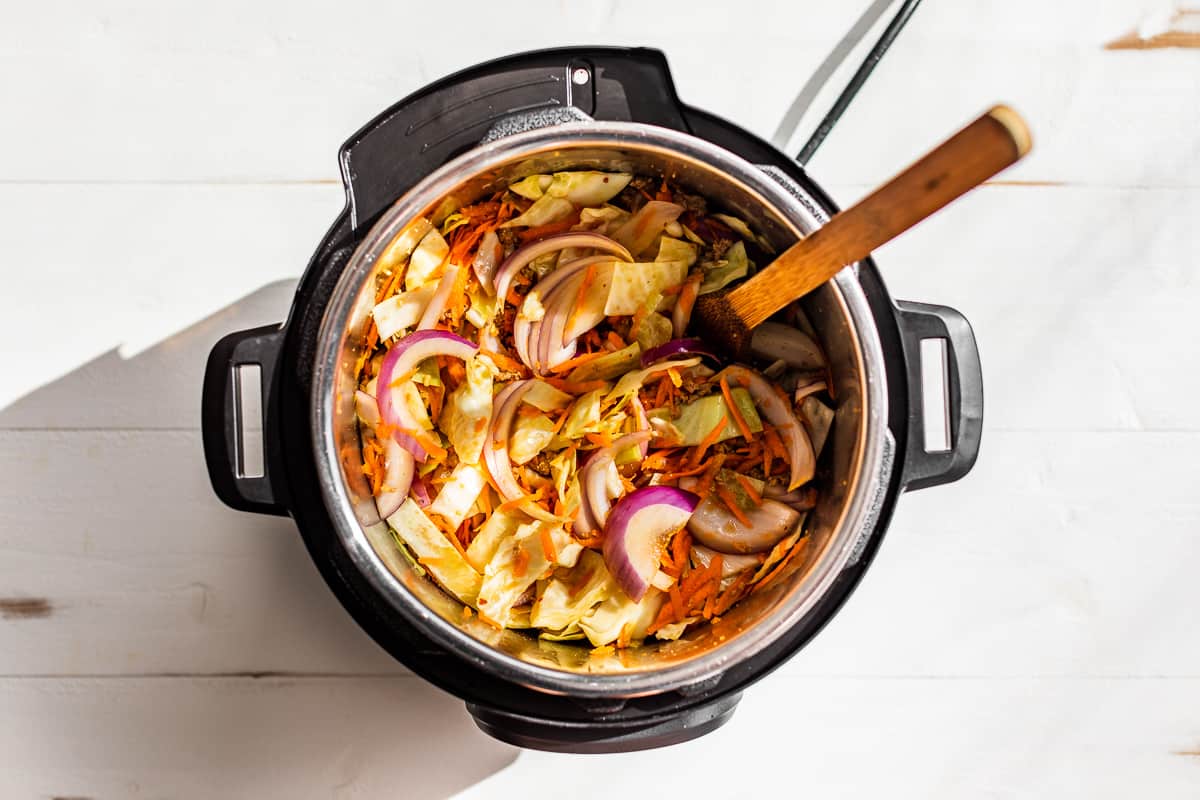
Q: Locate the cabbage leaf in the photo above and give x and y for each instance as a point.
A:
(435, 552)
(468, 410)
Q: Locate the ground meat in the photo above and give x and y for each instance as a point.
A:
(540, 464)
(632, 197)
(716, 251)
(692, 202)
(509, 240)
(693, 387)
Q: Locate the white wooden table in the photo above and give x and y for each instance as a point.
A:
(166, 170)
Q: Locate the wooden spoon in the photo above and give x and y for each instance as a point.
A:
(996, 140)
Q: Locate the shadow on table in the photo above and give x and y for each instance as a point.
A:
(254, 603)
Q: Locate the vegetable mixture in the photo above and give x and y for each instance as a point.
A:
(545, 441)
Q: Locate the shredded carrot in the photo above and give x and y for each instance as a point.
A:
(750, 490)
(429, 445)
(589, 277)
(676, 604)
(770, 576)
(548, 546)
(599, 439)
(614, 342)
(687, 473)
(738, 419)
(733, 593)
(549, 229)
(710, 474)
(728, 499)
(708, 441)
(520, 562)
(454, 369)
(502, 361)
(577, 361)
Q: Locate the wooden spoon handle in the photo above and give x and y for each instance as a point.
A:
(996, 140)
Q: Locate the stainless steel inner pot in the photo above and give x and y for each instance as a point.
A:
(860, 448)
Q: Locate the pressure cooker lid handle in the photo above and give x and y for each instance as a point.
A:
(425, 130)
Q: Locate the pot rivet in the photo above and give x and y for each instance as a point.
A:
(580, 76)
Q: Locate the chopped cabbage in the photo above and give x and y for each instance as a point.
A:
(458, 494)
(632, 381)
(677, 250)
(568, 596)
(697, 419)
(425, 260)
(721, 273)
(604, 624)
(402, 311)
(545, 209)
(673, 630)
(532, 187)
(588, 312)
(571, 633)
(428, 374)
(562, 467)
(654, 330)
(602, 219)
(445, 209)
(401, 247)
(573, 497)
(483, 308)
(584, 416)
(532, 308)
(588, 188)
(633, 284)
(545, 397)
(738, 227)
(529, 436)
(499, 526)
(468, 410)
(610, 365)
(519, 561)
(435, 552)
(640, 231)
(408, 394)
(691, 235)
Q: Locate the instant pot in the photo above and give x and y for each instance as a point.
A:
(587, 108)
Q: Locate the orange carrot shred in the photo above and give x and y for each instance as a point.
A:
(728, 499)
(548, 546)
(708, 441)
(738, 419)
(750, 490)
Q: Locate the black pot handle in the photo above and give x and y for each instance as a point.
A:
(450, 116)
(964, 394)
(221, 424)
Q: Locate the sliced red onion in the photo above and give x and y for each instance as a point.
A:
(398, 477)
(678, 347)
(522, 333)
(403, 357)
(715, 525)
(642, 422)
(637, 531)
(774, 341)
(551, 350)
(593, 475)
(441, 296)
(420, 493)
(799, 499)
(804, 391)
(648, 222)
(524, 255)
(495, 448)
(779, 413)
(488, 258)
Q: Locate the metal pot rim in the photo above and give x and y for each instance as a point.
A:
(802, 213)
